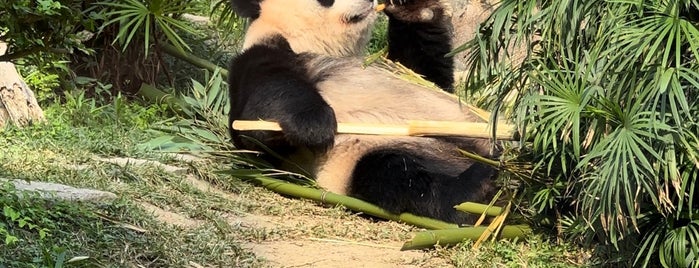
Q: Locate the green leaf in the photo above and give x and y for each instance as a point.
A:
(10, 239)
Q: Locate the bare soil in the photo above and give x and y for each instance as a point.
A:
(296, 233)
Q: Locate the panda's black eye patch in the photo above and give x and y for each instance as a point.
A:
(326, 3)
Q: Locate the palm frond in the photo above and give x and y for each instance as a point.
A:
(140, 17)
(608, 93)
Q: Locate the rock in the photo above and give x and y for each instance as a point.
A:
(54, 190)
(195, 18)
(187, 158)
(467, 17)
(18, 104)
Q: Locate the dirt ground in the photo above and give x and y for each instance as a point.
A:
(302, 240)
(328, 253)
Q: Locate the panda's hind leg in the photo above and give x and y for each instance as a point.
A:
(402, 181)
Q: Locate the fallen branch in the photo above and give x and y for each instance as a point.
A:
(413, 128)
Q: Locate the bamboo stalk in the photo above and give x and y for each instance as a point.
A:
(449, 237)
(478, 209)
(192, 59)
(323, 196)
(412, 128)
(155, 95)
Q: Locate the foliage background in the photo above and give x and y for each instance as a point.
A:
(606, 92)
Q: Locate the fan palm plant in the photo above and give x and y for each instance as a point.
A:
(160, 16)
(608, 93)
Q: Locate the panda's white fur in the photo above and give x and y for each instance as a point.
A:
(310, 29)
(372, 95)
(330, 41)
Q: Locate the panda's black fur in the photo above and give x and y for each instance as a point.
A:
(307, 84)
(422, 46)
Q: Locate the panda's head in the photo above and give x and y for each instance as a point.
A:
(330, 27)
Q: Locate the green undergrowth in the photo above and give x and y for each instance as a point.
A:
(122, 233)
(118, 234)
(535, 252)
(211, 228)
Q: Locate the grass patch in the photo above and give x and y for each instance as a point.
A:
(207, 227)
(117, 234)
(122, 233)
(535, 252)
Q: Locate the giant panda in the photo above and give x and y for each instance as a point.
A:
(301, 66)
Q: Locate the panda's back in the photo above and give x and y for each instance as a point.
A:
(373, 95)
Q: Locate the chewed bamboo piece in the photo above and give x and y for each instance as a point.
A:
(412, 128)
(380, 7)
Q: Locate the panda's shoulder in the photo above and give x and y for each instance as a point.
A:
(271, 57)
(272, 48)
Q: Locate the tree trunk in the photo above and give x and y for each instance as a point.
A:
(17, 102)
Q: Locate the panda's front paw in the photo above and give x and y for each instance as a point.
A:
(313, 128)
(420, 11)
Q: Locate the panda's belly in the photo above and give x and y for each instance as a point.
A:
(372, 95)
(334, 170)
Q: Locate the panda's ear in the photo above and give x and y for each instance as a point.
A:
(246, 8)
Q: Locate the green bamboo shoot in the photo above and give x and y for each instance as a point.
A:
(478, 209)
(152, 94)
(448, 237)
(192, 59)
(323, 196)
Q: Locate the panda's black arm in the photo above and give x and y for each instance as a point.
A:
(268, 82)
(419, 37)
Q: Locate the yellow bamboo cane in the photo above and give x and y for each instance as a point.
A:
(412, 128)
